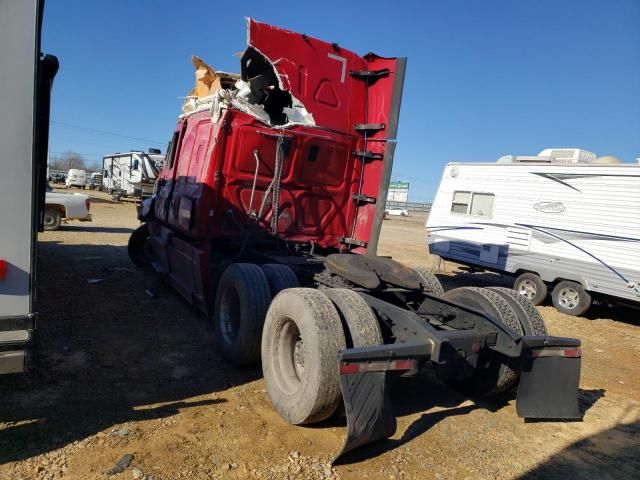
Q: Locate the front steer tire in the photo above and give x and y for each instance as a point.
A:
(301, 344)
(137, 247)
(241, 303)
(499, 376)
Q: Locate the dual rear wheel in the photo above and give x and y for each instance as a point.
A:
(514, 311)
(243, 296)
(298, 333)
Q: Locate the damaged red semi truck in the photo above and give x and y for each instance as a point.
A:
(266, 217)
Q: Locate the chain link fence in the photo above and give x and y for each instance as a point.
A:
(418, 208)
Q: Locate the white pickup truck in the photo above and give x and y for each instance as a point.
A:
(67, 206)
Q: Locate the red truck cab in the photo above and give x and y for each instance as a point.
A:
(300, 148)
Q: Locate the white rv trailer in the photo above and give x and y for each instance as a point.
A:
(560, 219)
(26, 78)
(131, 174)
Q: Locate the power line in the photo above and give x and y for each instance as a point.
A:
(104, 132)
(77, 153)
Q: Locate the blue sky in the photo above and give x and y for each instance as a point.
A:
(484, 78)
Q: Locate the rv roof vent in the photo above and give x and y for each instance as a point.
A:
(524, 159)
(155, 150)
(568, 155)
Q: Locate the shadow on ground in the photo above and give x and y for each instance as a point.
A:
(104, 350)
(608, 455)
(95, 229)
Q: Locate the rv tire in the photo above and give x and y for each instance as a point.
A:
(301, 345)
(531, 286)
(500, 376)
(571, 298)
(242, 299)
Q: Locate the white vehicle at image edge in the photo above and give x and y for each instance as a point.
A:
(76, 178)
(396, 212)
(65, 206)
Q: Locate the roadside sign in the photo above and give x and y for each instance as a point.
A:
(398, 191)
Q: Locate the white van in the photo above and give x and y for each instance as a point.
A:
(76, 178)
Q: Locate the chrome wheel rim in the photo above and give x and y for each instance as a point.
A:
(568, 298)
(528, 289)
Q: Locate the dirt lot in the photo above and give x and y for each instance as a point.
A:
(116, 372)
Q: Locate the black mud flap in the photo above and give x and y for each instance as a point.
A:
(549, 381)
(368, 409)
(365, 391)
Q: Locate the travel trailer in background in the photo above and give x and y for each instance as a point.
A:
(27, 77)
(562, 221)
(131, 174)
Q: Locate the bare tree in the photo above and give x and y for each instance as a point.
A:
(67, 161)
(94, 165)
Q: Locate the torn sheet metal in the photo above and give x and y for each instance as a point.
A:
(260, 92)
(288, 79)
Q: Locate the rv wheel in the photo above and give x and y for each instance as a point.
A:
(531, 286)
(499, 376)
(242, 299)
(570, 298)
(301, 345)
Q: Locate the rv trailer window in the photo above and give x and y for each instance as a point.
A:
(482, 204)
(136, 164)
(460, 202)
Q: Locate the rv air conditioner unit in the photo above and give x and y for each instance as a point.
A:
(568, 155)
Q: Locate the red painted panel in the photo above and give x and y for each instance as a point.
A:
(316, 73)
(215, 166)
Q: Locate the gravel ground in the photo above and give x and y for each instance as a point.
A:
(125, 386)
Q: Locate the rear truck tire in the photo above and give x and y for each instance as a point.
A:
(360, 324)
(137, 247)
(430, 282)
(301, 345)
(52, 219)
(571, 298)
(500, 376)
(242, 300)
(529, 316)
(531, 286)
(280, 277)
